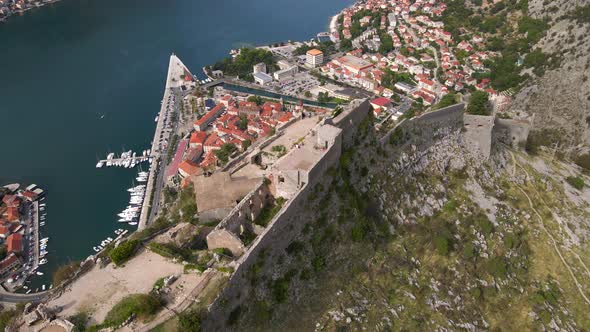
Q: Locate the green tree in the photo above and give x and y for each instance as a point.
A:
(189, 321)
(123, 251)
(3, 252)
(478, 103)
(386, 43)
(242, 64)
(345, 45)
(246, 144)
(242, 123)
(225, 152)
(447, 100)
(256, 99)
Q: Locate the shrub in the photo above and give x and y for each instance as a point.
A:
(497, 267)
(123, 252)
(485, 225)
(225, 152)
(142, 305)
(6, 317)
(194, 267)
(469, 251)
(189, 321)
(447, 100)
(576, 182)
(262, 312)
(64, 272)
(222, 251)
(79, 320)
(269, 211)
(584, 161)
(280, 290)
(442, 245)
(478, 103)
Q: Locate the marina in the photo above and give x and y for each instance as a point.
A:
(120, 233)
(128, 159)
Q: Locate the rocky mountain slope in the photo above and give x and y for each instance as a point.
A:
(559, 99)
(433, 240)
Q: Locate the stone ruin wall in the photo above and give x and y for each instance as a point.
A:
(285, 226)
(226, 233)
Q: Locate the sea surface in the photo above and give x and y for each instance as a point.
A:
(81, 78)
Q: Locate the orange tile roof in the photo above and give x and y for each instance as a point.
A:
(314, 52)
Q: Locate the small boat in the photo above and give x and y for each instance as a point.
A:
(133, 223)
(95, 249)
(43, 287)
(43, 261)
(39, 273)
(28, 291)
(99, 164)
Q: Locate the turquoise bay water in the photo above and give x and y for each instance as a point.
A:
(65, 65)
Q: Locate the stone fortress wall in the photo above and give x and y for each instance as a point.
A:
(424, 130)
(419, 133)
(227, 233)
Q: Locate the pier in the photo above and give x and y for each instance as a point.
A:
(156, 173)
(121, 162)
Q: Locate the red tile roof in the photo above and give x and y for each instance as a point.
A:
(198, 137)
(213, 141)
(14, 243)
(189, 168)
(382, 101)
(12, 213)
(209, 160)
(211, 114)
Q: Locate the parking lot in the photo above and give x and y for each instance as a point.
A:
(298, 85)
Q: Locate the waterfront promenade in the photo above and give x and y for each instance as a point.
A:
(158, 150)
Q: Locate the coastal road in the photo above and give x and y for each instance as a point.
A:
(20, 298)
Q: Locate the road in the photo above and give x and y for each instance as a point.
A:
(160, 181)
(20, 298)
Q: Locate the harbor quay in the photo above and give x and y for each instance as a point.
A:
(164, 127)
